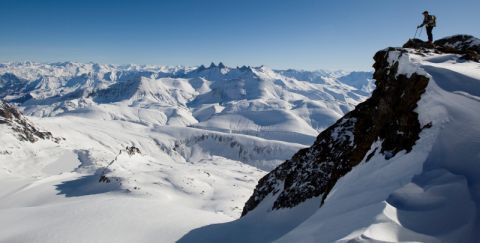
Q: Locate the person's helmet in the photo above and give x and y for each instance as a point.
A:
(425, 12)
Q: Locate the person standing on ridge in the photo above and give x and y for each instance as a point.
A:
(429, 21)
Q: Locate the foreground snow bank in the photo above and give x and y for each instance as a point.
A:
(50, 192)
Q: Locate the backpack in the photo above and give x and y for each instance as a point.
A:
(433, 21)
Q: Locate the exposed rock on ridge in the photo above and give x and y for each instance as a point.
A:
(388, 116)
(24, 130)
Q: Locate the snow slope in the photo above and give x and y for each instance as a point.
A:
(170, 187)
(430, 194)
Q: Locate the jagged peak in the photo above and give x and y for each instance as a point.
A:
(220, 65)
(200, 68)
(244, 68)
(211, 66)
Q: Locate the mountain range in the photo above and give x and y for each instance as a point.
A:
(288, 105)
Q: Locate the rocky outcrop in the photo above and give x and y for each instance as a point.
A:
(459, 43)
(132, 150)
(388, 117)
(23, 129)
(465, 45)
(417, 44)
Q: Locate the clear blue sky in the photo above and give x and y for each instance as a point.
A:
(304, 34)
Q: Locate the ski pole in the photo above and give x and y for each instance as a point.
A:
(415, 36)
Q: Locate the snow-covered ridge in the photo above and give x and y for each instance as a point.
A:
(408, 173)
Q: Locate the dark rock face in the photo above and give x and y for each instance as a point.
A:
(24, 130)
(387, 116)
(417, 43)
(460, 43)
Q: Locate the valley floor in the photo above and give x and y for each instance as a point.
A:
(51, 192)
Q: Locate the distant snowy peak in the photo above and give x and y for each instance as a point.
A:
(144, 90)
(359, 79)
(312, 76)
(217, 72)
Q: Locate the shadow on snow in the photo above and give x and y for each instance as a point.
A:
(88, 185)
